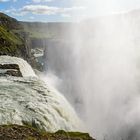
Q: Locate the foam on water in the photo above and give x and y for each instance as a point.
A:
(25, 68)
(28, 100)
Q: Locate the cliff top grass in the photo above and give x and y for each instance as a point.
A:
(17, 132)
(9, 43)
(9, 36)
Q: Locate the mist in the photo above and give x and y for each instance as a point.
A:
(97, 67)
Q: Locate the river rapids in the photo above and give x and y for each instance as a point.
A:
(28, 100)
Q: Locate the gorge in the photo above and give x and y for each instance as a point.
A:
(27, 102)
(93, 63)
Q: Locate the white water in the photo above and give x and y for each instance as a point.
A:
(28, 100)
(25, 68)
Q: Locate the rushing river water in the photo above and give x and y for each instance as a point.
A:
(28, 100)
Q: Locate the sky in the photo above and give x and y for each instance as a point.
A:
(64, 10)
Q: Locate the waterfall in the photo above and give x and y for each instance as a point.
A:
(28, 100)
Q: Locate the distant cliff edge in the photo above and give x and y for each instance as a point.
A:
(29, 40)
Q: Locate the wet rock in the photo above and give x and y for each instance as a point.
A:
(9, 66)
(10, 69)
(13, 73)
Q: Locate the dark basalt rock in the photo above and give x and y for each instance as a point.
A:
(9, 66)
(10, 69)
(14, 73)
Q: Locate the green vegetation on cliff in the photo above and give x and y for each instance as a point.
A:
(17, 132)
(10, 43)
(9, 22)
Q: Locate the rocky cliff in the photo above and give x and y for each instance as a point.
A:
(21, 39)
(17, 132)
(13, 39)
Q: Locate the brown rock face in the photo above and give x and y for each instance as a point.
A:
(10, 69)
(9, 66)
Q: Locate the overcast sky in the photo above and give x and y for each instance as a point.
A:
(64, 10)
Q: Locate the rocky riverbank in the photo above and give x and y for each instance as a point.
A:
(17, 132)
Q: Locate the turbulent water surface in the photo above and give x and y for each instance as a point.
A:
(28, 100)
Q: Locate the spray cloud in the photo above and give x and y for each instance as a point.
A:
(99, 72)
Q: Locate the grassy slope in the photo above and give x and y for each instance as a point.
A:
(9, 36)
(9, 22)
(9, 42)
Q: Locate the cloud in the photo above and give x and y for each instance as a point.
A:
(39, 1)
(65, 12)
(15, 12)
(40, 9)
(66, 15)
(31, 17)
(7, 0)
(4, 0)
(48, 10)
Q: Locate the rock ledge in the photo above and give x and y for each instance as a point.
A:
(17, 132)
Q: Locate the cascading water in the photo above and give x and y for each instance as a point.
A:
(29, 101)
